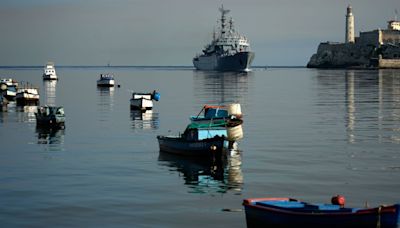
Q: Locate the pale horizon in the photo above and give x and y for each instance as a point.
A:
(171, 33)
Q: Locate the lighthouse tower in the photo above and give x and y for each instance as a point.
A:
(349, 25)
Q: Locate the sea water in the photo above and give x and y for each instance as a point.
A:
(308, 134)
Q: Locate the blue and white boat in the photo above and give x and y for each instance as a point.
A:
(287, 212)
(106, 80)
(144, 101)
(202, 142)
(203, 139)
(49, 72)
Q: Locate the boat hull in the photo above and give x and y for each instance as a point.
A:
(105, 83)
(275, 216)
(50, 77)
(26, 98)
(200, 148)
(50, 121)
(240, 61)
(141, 104)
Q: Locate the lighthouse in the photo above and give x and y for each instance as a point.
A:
(349, 25)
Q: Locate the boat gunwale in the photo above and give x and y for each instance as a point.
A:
(360, 212)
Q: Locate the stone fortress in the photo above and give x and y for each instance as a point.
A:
(379, 48)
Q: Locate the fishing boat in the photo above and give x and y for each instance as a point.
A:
(8, 88)
(50, 116)
(144, 101)
(201, 139)
(288, 212)
(27, 95)
(49, 72)
(106, 80)
(194, 142)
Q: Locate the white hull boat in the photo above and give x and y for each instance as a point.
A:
(49, 72)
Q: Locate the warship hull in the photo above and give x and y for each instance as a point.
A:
(238, 62)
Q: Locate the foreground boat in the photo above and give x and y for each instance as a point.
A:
(203, 139)
(50, 116)
(144, 101)
(228, 51)
(49, 72)
(287, 212)
(194, 142)
(106, 80)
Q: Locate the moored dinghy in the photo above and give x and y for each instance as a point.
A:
(200, 139)
(106, 80)
(287, 212)
(144, 101)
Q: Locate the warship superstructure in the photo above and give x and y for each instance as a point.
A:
(228, 51)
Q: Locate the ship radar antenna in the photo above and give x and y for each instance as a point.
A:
(223, 11)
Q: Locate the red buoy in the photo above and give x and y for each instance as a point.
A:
(338, 200)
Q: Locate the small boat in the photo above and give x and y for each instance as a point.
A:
(27, 95)
(8, 82)
(217, 113)
(50, 116)
(144, 101)
(287, 212)
(194, 142)
(49, 72)
(8, 88)
(106, 80)
(201, 139)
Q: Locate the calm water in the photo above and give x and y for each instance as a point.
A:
(309, 134)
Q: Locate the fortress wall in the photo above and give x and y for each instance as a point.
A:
(369, 38)
(391, 36)
(389, 63)
(340, 55)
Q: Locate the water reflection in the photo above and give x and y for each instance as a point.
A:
(26, 113)
(144, 120)
(221, 87)
(207, 175)
(371, 102)
(50, 87)
(105, 104)
(47, 135)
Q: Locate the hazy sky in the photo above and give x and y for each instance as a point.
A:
(171, 32)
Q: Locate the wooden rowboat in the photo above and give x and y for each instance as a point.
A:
(287, 212)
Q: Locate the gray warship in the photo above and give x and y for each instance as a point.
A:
(228, 51)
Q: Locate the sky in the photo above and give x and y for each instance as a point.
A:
(172, 32)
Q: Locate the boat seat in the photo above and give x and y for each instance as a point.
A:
(282, 204)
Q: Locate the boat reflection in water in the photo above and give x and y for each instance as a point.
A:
(49, 135)
(221, 87)
(204, 175)
(50, 88)
(26, 113)
(144, 119)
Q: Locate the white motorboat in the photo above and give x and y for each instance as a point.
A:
(144, 101)
(106, 80)
(27, 95)
(49, 72)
